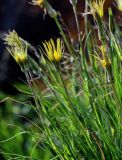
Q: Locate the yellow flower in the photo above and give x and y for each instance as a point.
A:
(19, 55)
(12, 39)
(97, 7)
(54, 52)
(119, 3)
(16, 47)
(47, 7)
(105, 60)
(38, 2)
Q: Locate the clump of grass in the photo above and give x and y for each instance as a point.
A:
(80, 113)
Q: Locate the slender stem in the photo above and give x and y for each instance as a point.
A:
(28, 77)
(63, 35)
(77, 22)
(69, 100)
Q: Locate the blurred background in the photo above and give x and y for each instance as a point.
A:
(32, 25)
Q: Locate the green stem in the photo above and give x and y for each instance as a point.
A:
(63, 35)
(77, 22)
(29, 77)
(69, 100)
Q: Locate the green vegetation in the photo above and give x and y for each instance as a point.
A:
(79, 113)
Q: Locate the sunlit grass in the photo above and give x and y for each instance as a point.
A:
(78, 113)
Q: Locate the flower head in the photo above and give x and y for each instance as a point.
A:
(97, 7)
(54, 51)
(38, 2)
(104, 60)
(119, 3)
(18, 54)
(46, 6)
(16, 47)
